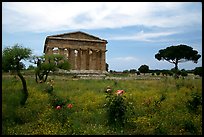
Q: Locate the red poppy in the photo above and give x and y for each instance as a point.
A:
(69, 106)
(58, 107)
(120, 92)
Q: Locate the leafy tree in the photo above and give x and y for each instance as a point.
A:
(170, 73)
(165, 72)
(125, 71)
(133, 70)
(47, 64)
(198, 71)
(11, 61)
(138, 73)
(143, 69)
(184, 73)
(158, 73)
(178, 54)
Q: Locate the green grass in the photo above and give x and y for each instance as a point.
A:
(159, 106)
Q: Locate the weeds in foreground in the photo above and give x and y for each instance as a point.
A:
(144, 108)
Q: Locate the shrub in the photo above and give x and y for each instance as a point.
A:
(158, 73)
(116, 108)
(62, 114)
(193, 104)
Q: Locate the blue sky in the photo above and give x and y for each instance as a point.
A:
(135, 31)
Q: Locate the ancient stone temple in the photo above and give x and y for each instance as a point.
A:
(85, 53)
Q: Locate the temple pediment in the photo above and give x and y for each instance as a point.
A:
(76, 35)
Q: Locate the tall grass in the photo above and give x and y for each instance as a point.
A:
(157, 106)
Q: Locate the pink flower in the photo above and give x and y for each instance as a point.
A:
(69, 106)
(120, 92)
(58, 107)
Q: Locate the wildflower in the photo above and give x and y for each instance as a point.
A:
(58, 107)
(120, 92)
(108, 90)
(69, 106)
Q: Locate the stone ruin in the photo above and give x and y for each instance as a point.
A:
(85, 52)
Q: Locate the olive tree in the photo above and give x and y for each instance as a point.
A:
(11, 61)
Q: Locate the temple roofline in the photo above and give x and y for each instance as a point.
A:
(59, 37)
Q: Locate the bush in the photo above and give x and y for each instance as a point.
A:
(116, 109)
(193, 104)
(198, 71)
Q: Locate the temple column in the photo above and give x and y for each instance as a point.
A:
(66, 54)
(61, 51)
(83, 59)
(87, 59)
(72, 58)
(91, 61)
(79, 59)
(94, 60)
(50, 50)
(98, 60)
(75, 59)
(103, 61)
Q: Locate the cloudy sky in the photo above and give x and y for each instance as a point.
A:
(135, 31)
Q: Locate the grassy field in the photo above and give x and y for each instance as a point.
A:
(156, 107)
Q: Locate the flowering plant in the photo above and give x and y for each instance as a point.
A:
(69, 106)
(120, 92)
(62, 109)
(58, 107)
(116, 107)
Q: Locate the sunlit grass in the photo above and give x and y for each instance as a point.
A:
(159, 106)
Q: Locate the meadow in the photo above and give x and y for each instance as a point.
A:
(166, 106)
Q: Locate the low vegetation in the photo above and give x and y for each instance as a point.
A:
(71, 106)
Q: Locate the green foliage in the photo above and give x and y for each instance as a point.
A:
(184, 73)
(178, 54)
(194, 102)
(11, 61)
(149, 109)
(158, 73)
(198, 71)
(49, 63)
(12, 57)
(116, 106)
(189, 126)
(125, 71)
(133, 71)
(143, 69)
(58, 101)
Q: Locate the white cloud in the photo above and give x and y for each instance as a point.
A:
(126, 59)
(141, 36)
(56, 16)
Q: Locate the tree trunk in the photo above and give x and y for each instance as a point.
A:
(176, 65)
(46, 76)
(176, 70)
(24, 91)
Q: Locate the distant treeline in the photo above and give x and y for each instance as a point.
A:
(196, 71)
